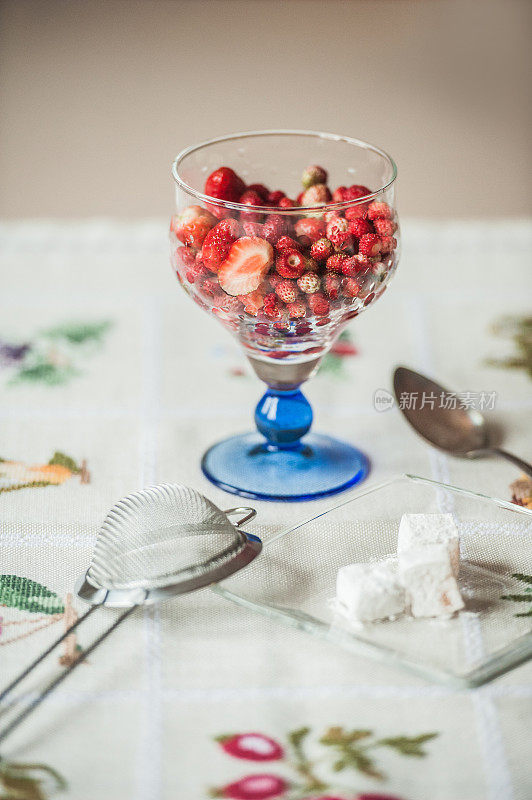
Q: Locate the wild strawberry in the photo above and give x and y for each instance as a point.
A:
(245, 266)
(260, 189)
(329, 215)
(275, 197)
(311, 265)
(309, 229)
(224, 184)
(332, 284)
(355, 264)
(251, 198)
(339, 194)
(370, 244)
(209, 287)
(296, 310)
(218, 242)
(287, 243)
(253, 302)
(285, 202)
(192, 225)
(272, 306)
(273, 228)
(321, 249)
(356, 191)
(286, 291)
(335, 261)
(379, 269)
(313, 175)
(319, 304)
(274, 278)
(254, 229)
(338, 233)
(358, 211)
(309, 283)
(350, 287)
(359, 227)
(388, 243)
(384, 227)
(290, 264)
(379, 209)
(317, 195)
(299, 198)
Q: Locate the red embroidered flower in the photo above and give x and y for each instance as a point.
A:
(254, 787)
(251, 746)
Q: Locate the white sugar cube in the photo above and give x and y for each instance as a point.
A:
(366, 592)
(427, 576)
(416, 530)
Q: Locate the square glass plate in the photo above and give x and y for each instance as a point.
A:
(295, 577)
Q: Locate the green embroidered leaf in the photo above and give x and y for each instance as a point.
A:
(62, 460)
(523, 578)
(78, 333)
(27, 595)
(296, 737)
(409, 745)
(30, 485)
(524, 613)
(521, 598)
(44, 372)
(518, 598)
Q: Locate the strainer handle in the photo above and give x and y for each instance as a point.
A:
(248, 512)
(61, 677)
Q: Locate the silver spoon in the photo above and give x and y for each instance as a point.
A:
(459, 431)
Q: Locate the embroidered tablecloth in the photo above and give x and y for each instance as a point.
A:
(111, 379)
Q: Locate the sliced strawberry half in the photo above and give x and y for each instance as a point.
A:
(246, 265)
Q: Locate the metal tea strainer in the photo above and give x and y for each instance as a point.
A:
(156, 543)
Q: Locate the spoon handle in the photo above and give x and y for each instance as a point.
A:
(524, 465)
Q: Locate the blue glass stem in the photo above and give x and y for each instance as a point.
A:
(283, 417)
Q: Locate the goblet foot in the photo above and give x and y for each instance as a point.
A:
(316, 466)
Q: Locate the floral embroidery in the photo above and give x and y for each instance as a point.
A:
(334, 362)
(344, 750)
(520, 330)
(21, 781)
(15, 475)
(32, 598)
(52, 356)
(526, 597)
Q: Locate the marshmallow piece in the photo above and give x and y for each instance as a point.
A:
(417, 530)
(427, 576)
(367, 592)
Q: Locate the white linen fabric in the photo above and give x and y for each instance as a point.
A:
(124, 382)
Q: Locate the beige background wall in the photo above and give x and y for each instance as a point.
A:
(97, 97)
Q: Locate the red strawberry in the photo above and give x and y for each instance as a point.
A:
(355, 264)
(251, 198)
(192, 225)
(273, 228)
(246, 265)
(274, 278)
(335, 261)
(228, 303)
(339, 194)
(359, 227)
(290, 264)
(313, 175)
(370, 244)
(332, 284)
(285, 202)
(317, 195)
(275, 197)
(286, 291)
(319, 304)
(384, 227)
(272, 306)
(350, 287)
(209, 287)
(338, 233)
(355, 191)
(224, 184)
(321, 249)
(218, 243)
(379, 209)
(296, 310)
(309, 283)
(388, 243)
(309, 229)
(253, 302)
(311, 265)
(254, 229)
(358, 211)
(287, 243)
(260, 189)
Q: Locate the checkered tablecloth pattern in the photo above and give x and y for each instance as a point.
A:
(111, 379)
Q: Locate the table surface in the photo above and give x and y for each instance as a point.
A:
(111, 374)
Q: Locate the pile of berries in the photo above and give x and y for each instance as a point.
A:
(280, 269)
